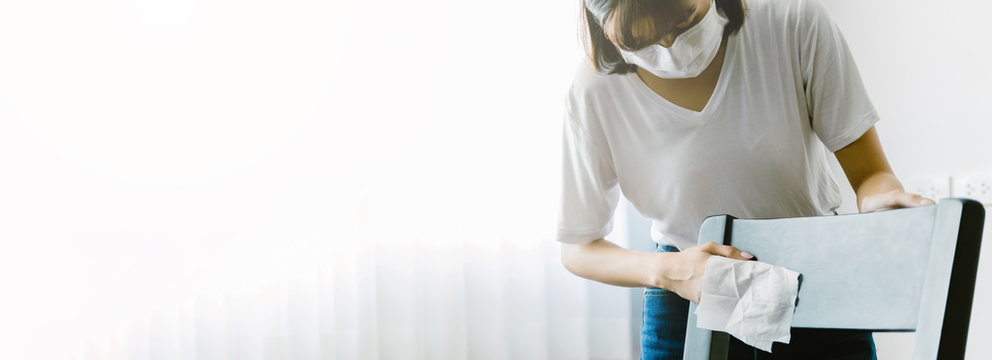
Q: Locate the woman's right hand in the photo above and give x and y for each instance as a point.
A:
(685, 276)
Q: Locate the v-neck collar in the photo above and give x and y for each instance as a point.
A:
(716, 98)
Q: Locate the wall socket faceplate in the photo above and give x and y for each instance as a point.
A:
(976, 187)
(934, 187)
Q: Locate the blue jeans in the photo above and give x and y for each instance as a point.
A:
(664, 323)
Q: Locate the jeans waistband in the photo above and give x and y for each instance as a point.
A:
(665, 248)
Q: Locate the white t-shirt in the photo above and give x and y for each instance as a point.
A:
(788, 91)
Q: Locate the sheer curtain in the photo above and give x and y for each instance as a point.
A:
(291, 180)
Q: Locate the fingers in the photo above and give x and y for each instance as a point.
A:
(905, 199)
(895, 199)
(911, 200)
(726, 251)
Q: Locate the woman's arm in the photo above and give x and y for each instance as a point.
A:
(609, 263)
(680, 272)
(868, 170)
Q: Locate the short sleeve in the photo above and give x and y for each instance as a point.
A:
(838, 104)
(589, 190)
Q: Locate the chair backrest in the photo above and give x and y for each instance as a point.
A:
(907, 269)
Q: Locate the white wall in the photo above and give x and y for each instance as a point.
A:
(926, 66)
(288, 179)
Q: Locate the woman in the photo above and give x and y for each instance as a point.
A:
(697, 108)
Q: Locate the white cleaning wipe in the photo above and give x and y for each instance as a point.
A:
(751, 300)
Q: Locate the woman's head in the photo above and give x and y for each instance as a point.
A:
(635, 24)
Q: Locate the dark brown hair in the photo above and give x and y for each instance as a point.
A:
(634, 24)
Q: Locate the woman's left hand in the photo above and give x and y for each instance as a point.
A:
(894, 199)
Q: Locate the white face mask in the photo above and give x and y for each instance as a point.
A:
(690, 53)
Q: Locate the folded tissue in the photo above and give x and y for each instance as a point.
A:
(751, 300)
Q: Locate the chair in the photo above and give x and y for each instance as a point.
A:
(902, 270)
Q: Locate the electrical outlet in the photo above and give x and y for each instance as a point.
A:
(934, 187)
(977, 187)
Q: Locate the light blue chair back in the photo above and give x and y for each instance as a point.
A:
(904, 270)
